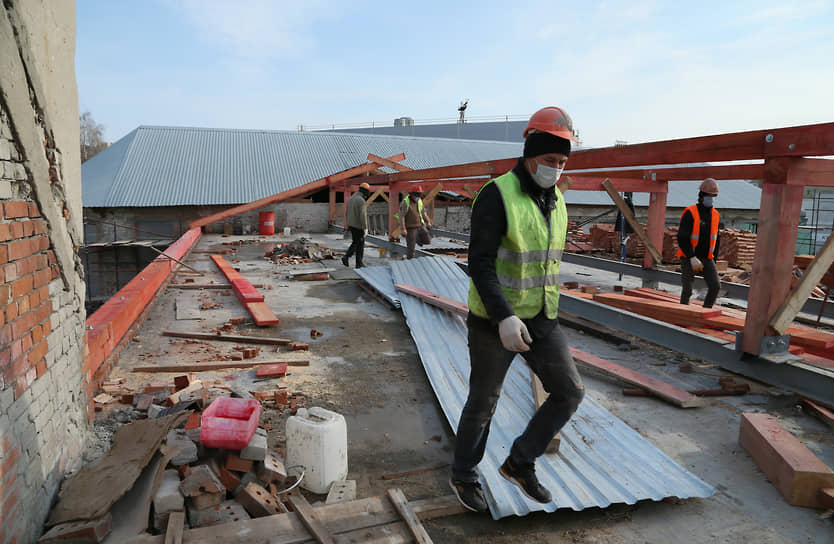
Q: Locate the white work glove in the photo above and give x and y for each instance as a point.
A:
(696, 264)
(514, 335)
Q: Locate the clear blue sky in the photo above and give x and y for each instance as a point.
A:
(633, 70)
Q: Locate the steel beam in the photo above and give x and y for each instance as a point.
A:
(804, 379)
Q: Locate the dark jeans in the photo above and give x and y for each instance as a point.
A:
(710, 275)
(410, 241)
(357, 245)
(550, 358)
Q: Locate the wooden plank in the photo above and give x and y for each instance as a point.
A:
(587, 182)
(791, 467)
(812, 276)
(377, 194)
(438, 507)
(665, 391)
(176, 523)
(262, 314)
(773, 262)
(816, 172)
(222, 365)
(308, 517)
(429, 198)
(629, 216)
(434, 299)
(734, 172)
(564, 184)
(656, 308)
(290, 193)
(229, 338)
(401, 504)
(826, 498)
(656, 224)
(823, 414)
(389, 163)
(491, 169)
(186, 308)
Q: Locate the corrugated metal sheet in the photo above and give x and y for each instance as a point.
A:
(601, 461)
(379, 277)
(177, 166)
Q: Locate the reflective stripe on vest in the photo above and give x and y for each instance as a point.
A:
(696, 229)
(529, 255)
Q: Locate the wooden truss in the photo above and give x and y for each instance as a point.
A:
(783, 159)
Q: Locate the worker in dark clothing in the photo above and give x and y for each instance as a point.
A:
(519, 224)
(357, 221)
(698, 243)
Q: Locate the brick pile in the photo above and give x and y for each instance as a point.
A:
(670, 244)
(634, 246)
(602, 236)
(738, 247)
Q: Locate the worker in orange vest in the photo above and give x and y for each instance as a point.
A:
(698, 243)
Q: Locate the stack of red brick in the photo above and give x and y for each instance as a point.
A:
(27, 265)
(670, 244)
(634, 246)
(603, 237)
(738, 247)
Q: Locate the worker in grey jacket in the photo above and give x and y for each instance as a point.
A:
(357, 222)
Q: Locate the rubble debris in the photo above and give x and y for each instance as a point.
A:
(298, 251)
(341, 491)
(81, 532)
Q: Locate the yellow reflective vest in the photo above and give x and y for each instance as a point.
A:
(529, 255)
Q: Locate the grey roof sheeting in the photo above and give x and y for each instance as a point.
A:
(496, 131)
(179, 166)
(601, 461)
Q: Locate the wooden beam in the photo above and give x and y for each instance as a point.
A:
(665, 391)
(176, 523)
(799, 141)
(813, 274)
(209, 367)
(803, 171)
(337, 212)
(472, 193)
(290, 193)
(331, 204)
(791, 467)
(683, 173)
(489, 169)
(310, 520)
(773, 261)
(656, 225)
(585, 182)
(411, 520)
(432, 194)
(389, 163)
(632, 221)
(228, 338)
(393, 211)
(439, 301)
(564, 184)
(374, 196)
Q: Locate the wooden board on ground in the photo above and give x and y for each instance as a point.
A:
(260, 312)
(187, 307)
(660, 389)
(411, 520)
(365, 520)
(173, 534)
(796, 472)
(310, 520)
(229, 338)
(220, 365)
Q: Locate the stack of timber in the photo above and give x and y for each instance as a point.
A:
(738, 247)
(634, 246)
(815, 345)
(670, 244)
(603, 237)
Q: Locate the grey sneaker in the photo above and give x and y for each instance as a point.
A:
(525, 478)
(470, 495)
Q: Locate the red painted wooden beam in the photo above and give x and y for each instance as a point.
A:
(585, 182)
(297, 191)
(251, 299)
(803, 171)
(689, 173)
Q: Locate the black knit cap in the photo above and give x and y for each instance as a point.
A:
(539, 143)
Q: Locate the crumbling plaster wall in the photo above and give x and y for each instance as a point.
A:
(43, 424)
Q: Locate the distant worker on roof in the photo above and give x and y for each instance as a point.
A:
(357, 222)
(519, 223)
(698, 243)
(413, 219)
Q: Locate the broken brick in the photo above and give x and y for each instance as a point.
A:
(258, 502)
(79, 531)
(237, 320)
(233, 462)
(271, 370)
(181, 382)
(193, 421)
(299, 346)
(281, 397)
(271, 469)
(200, 481)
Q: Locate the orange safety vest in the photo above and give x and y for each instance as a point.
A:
(696, 227)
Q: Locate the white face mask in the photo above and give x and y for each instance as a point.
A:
(546, 176)
(708, 201)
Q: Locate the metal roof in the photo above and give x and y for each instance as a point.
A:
(181, 166)
(601, 460)
(734, 195)
(497, 131)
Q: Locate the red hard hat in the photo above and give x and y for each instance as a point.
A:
(552, 120)
(709, 186)
(416, 189)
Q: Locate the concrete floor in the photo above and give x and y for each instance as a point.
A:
(366, 367)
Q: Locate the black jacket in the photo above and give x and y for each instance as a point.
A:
(685, 231)
(489, 225)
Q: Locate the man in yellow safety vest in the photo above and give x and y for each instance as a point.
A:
(519, 223)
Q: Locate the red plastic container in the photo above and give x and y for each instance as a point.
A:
(229, 423)
(266, 223)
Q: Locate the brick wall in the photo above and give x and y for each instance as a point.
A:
(43, 425)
